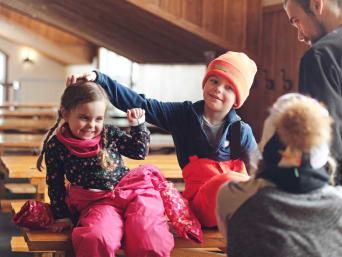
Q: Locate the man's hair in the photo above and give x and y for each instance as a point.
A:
(305, 4)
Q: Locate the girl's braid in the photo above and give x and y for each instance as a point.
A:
(40, 158)
(104, 158)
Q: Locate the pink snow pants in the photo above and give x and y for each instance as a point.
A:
(133, 212)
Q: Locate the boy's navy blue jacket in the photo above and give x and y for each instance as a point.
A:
(183, 121)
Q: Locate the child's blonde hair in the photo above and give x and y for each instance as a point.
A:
(80, 93)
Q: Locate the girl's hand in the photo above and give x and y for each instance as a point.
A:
(61, 225)
(86, 76)
(135, 114)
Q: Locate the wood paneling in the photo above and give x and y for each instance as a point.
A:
(280, 49)
(193, 11)
(151, 31)
(213, 17)
(236, 20)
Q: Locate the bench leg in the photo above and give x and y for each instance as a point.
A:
(194, 252)
(64, 254)
(43, 254)
(2, 185)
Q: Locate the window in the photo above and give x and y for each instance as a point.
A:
(118, 67)
(3, 74)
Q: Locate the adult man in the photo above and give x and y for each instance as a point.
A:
(319, 25)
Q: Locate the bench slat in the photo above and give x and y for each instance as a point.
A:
(21, 188)
(43, 240)
(195, 253)
(6, 204)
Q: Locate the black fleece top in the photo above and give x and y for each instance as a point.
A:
(321, 77)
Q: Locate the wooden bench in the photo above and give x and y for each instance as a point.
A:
(29, 114)
(21, 188)
(16, 105)
(18, 244)
(25, 167)
(6, 204)
(20, 142)
(26, 125)
(47, 241)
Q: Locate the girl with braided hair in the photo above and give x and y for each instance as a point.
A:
(112, 201)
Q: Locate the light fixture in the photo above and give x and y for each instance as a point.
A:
(28, 56)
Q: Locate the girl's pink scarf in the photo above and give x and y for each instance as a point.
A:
(79, 147)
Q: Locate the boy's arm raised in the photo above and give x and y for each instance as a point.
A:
(161, 114)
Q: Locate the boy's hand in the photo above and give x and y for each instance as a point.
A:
(61, 225)
(86, 76)
(135, 114)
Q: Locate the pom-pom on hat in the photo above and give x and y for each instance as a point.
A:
(238, 69)
(296, 126)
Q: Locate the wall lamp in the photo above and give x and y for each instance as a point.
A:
(28, 56)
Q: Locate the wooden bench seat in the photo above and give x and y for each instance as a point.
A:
(21, 188)
(25, 125)
(45, 240)
(20, 142)
(18, 244)
(25, 167)
(6, 204)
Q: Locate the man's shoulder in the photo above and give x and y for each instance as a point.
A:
(328, 46)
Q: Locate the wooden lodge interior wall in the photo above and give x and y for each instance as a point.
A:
(278, 66)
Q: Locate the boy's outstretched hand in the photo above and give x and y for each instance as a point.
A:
(86, 76)
(135, 114)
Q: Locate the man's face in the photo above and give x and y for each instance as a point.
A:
(309, 27)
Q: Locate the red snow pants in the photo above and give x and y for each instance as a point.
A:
(203, 178)
(133, 212)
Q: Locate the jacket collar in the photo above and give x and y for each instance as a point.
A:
(198, 108)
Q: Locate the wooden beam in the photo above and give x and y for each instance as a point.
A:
(182, 23)
(22, 36)
(150, 31)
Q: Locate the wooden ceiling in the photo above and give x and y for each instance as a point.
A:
(47, 39)
(153, 31)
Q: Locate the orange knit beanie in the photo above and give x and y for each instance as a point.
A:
(238, 69)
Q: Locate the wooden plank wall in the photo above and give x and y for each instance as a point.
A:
(280, 52)
(209, 19)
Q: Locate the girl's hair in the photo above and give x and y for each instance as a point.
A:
(80, 93)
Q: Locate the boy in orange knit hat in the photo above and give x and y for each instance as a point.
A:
(208, 146)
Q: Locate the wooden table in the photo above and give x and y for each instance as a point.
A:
(16, 105)
(26, 125)
(20, 141)
(29, 114)
(161, 141)
(23, 167)
(45, 240)
(167, 163)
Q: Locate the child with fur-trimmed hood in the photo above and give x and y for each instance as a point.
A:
(289, 209)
